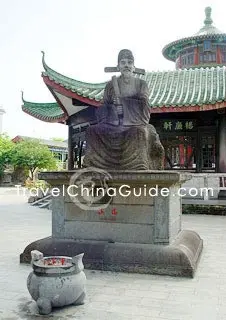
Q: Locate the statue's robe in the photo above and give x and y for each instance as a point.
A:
(132, 145)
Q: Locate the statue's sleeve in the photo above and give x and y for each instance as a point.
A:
(108, 94)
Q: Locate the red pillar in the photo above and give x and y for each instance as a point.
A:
(219, 56)
(196, 56)
(189, 152)
(181, 151)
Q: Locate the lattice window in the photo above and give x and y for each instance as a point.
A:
(207, 57)
(208, 152)
(224, 56)
(190, 58)
(206, 45)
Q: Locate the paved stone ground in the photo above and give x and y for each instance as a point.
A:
(117, 296)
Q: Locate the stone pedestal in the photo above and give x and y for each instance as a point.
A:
(140, 232)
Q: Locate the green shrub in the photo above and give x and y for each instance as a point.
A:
(36, 184)
(203, 209)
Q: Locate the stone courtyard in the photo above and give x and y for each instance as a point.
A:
(110, 295)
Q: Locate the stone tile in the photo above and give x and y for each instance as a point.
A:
(147, 293)
(152, 303)
(207, 312)
(9, 295)
(171, 315)
(8, 305)
(134, 310)
(177, 290)
(115, 299)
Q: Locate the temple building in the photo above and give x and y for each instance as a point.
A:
(187, 104)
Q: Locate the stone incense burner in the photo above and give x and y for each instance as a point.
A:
(56, 281)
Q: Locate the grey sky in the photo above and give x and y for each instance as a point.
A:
(80, 38)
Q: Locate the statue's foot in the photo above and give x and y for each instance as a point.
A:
(44, 306)
(80, 299)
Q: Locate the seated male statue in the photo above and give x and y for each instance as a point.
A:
(123, 139)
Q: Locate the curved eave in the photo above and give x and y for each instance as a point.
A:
(190, 41)
(51, 83)
(192, 101)
(31, 109)
(153, 110)
(205, 66)
(204, 107)
(71, 88)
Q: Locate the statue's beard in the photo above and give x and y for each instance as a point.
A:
(127, 73)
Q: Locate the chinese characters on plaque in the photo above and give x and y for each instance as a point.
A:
(178, 125)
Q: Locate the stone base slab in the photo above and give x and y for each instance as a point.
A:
(178, 259)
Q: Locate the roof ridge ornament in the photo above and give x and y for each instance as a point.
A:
(208, 21)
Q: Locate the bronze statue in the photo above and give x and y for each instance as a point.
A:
(123, 138)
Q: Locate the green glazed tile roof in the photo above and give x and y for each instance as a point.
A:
(207, 32)
(50, 112)
(187, 87)
(178, 88)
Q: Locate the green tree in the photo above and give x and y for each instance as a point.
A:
(31, 154)
(6, 149)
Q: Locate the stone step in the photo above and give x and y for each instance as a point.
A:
(45, 204)
(41, 200)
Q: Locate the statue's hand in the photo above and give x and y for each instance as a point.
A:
(118, 105)
(116, 101)
(119, 109)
